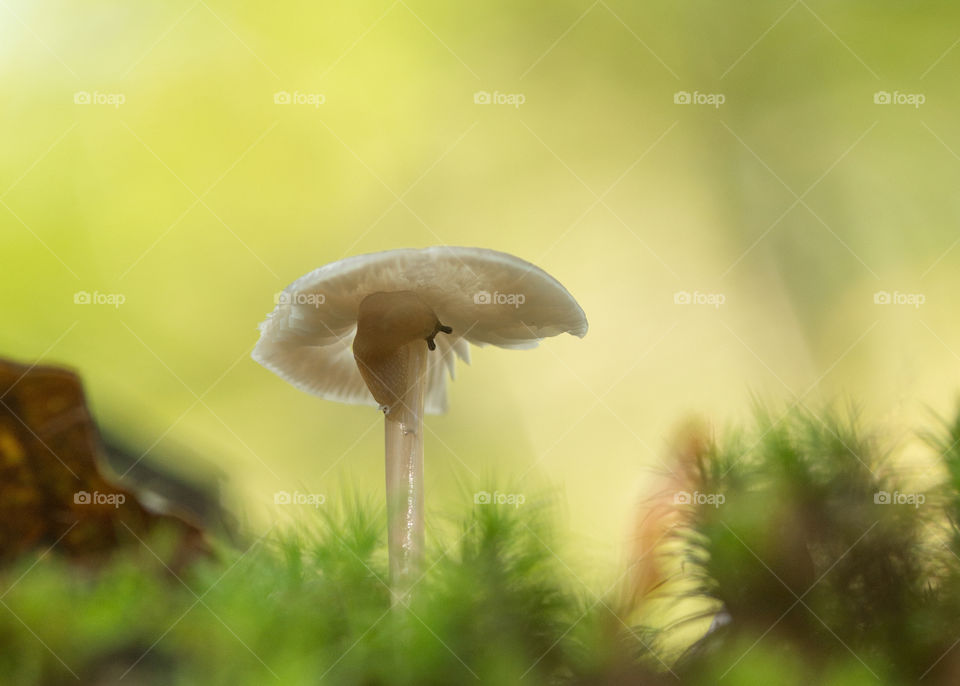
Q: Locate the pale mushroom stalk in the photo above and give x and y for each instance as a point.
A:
(404, 469)
(395, 331)
(365, 330)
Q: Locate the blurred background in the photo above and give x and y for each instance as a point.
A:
(754, 199)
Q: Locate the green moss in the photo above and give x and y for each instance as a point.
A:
(823, 583)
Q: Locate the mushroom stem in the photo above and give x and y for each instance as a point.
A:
(404, 469)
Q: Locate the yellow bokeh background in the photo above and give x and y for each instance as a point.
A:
(198, 197)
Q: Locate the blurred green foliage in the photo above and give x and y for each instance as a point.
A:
(825, 564)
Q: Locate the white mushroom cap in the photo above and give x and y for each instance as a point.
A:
(484, 295)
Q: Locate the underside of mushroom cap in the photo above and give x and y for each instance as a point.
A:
(487, 297)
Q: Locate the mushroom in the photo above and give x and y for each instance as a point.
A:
(383, 329)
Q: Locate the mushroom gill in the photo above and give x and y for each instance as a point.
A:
(388, 323)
